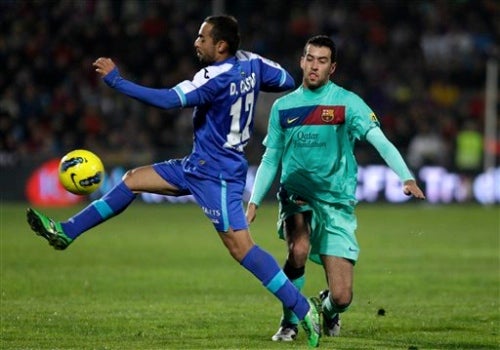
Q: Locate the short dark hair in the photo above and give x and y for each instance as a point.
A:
(225, 27)
(323, 40)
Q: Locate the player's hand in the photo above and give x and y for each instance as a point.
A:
(104, 65)
(410, 188)
(251, 212)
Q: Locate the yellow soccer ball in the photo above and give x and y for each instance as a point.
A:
(81, 172)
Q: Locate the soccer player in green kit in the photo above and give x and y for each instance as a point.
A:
(312, 133)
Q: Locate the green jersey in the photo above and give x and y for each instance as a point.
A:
(317, 130)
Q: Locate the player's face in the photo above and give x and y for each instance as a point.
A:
(317, 66)
(204, 44)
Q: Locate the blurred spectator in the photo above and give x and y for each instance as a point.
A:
(469, 149)
(9, 142)
(426, 147)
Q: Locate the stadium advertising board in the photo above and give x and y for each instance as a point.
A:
(375, 183)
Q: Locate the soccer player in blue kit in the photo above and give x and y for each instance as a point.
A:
(223, 95)
(312, 132)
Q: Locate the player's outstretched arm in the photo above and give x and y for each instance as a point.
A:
(161, 98)
(395, 161)
(263, 180)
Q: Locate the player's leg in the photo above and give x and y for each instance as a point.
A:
(61, 234)
(339, 274)
(296, 231)
(263, 266)
(221, 202)
(338, 250)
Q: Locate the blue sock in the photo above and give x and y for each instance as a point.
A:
(111, 204)
(288, 315)
(263, 266)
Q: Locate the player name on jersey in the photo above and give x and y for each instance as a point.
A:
(247, 84)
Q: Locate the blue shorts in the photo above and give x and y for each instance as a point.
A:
(221, 200)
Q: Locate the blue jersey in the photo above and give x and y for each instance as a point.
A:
(224, 96)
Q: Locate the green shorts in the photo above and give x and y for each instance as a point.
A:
(333, 229)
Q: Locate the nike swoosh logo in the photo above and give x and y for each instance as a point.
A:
(291, 120)
(351, 249)
(73, 175)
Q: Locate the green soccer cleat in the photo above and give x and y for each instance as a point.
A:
(311, 323)
(49, 229)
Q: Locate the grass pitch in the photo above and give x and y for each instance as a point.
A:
(157, 277)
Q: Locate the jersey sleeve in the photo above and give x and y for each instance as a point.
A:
(162, 98)
(275, 136)
(360, 117)
(270, 160)
(274, 77)
(203, 88)
(265, 175)
(389, 153)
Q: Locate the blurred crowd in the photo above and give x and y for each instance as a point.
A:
(420, 65)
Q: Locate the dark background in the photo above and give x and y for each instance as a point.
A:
(420, 65)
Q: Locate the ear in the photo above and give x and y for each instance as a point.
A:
(221, 46)
(302, 58)
(333, 67)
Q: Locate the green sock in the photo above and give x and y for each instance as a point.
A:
(288, 315)
(330, 309)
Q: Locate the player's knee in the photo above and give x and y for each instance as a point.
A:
(298, 252)
(238, 243)
(299, 256)
(342, 299)
(130, 179)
